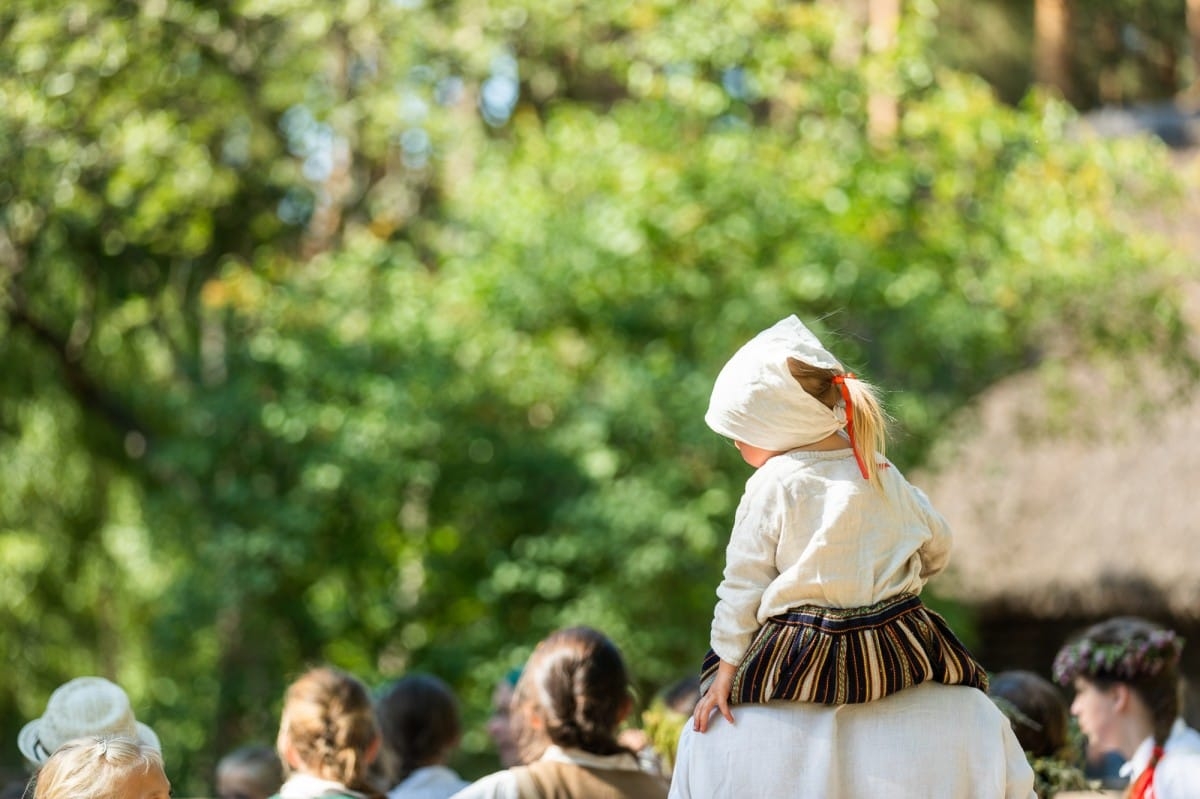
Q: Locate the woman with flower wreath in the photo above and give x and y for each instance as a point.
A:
(1125, 672)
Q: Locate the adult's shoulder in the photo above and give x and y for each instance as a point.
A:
(1177, 775)
(878, 748)
(1184, 737)
(498, 785)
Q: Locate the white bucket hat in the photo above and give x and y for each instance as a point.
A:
(83, 707)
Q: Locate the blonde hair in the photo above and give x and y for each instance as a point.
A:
(867, 416)
(94, 768)
(329, 723)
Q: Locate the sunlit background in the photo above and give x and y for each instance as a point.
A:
(379, 332)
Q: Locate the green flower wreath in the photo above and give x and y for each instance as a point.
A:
(1142, 656)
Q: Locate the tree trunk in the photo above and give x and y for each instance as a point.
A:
(883, 109)
(1052, 50)
(1193, 26)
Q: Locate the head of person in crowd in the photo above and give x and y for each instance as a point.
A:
(249, 772)
(1038, 715)
(1036, 709)
(682, 695)
(499, 725)
(420, 721)
(573, 693)
(82, 707)
(1125, 672)
(328, 735)
(103, 768)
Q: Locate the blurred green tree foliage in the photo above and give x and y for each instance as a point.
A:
(380, 332)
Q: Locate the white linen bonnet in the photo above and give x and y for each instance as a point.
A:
(757, 401)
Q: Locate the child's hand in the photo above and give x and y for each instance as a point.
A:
(715, 698)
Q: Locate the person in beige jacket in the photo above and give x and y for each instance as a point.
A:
(570, 702)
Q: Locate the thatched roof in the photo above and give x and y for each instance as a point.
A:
(1103, 518)
(1088, 507)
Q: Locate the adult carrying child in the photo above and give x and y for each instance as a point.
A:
(830, 547)
(847, 686)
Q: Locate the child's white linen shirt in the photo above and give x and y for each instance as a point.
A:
(811, 531)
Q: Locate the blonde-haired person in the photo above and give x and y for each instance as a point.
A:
(328, 737)
(568, 707)
(103, 768)
(1125, 672)
(830, 546)
(85, 707)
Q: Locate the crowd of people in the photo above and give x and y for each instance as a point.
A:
(826, 675)
(560, 730)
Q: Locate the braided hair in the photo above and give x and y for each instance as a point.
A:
(574, 693)
(329, 724)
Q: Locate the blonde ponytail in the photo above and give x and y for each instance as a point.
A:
(865, 422)
(870, 425)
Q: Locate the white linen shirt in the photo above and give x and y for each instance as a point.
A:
(809, 530)
(931, 741)
(306, 786)
(504, 785)
(429, 782)
(1177, 775)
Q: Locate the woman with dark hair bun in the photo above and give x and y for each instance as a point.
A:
(568, 707)
(1125, 672)
(1038, 714)
(419, 719)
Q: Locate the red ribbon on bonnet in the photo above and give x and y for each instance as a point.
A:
(840, 382)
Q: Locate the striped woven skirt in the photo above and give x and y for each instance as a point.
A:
(842, 656)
